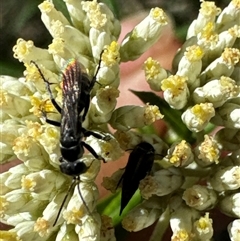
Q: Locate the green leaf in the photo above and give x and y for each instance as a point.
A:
(110, 206)
(171, 116)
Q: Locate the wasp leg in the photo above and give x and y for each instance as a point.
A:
(55, 104)
(96, 135)
(92, 151)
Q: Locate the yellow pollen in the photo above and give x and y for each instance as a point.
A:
(151, 68)
(209, 150)
(3, 206)
(9, 236)
(96, 17)
(204, 222)
(28, 183)
(111, 54)
(179, 153)
(73, 216)
(151, 114)
(181, 235)
(40, 106)
(203, 111)
(42, 227)
(229, 86)
(46, 6)
(231, 56)
(236, 3)
(209, 9)
(194, 53)
(22, 49)
(235, 31)
(158, 15)
(32, 73)
(175, 84)
(21, 145)
(108, 94)
(3, 98)
(57, 46)
(34, 129)
(208, 32)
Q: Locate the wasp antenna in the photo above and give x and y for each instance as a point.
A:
(94, 80)
(64, 200)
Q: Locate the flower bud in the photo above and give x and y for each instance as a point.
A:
(143, 215)
(228, 115)
(234, 230)
(208, 151)
(144, 35)
(225, 179)
(127, 117)
(228, 138)
(154, 74)
(197, 117)
(180, 154)
(161, 183)
(207, 13)
(203, 228)
(230, 205)
(200, 197)
(217, 91)
(176, 91)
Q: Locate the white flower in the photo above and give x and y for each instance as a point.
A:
(161, 183)
(143, 215)
(222, 66)
(217, 91)
(182, 221)
(179, 154)
(227, 178)
(228, 115)
(208, 151)
(203, 228)
(197, 117)
(234, 230)
(200, 197)
(127, 117)
(190, 65)
(230, 15)
(144, 35)
(207, 13)
(154, 73)
(230, 205)
(176, 91)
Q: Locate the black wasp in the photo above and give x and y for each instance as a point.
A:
(75, 104)
(139, 164)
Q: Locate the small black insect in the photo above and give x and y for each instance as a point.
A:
(75, 104)
(139, 164)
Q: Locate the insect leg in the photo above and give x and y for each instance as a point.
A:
(55, 104)
(92, 151)
(64, 200)
(52, 122)
(87, 133)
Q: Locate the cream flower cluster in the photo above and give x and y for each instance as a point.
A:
(204, 86)
(32, 192)
(185, 184)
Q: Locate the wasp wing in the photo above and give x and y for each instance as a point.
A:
(71, 91)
